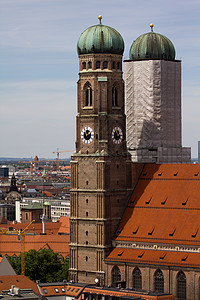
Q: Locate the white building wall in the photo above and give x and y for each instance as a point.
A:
(153, 111)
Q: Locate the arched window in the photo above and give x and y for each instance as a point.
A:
(137, 279)
(105, 64)
(118, 65)
(113, 65)
(116, 275)
(89, 65)
(181, 285)
(159, 281)
(114, 97)
(98, 65)
(88, 95)
(83, 65)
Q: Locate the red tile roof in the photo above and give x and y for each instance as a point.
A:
(19, 281)
(169, 258)
(164, 208)
(9, 244)
(165, 195)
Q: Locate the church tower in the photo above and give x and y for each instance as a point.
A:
(153, 101)
(101, 165)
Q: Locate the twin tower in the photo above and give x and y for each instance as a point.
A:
(108, 142)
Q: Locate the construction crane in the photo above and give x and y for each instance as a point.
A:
(57, 158)
(21, 236)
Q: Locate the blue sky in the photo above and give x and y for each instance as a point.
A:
(39, 64)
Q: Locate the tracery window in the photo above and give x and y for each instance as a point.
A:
(114, 97)
(88, 95)
(181, 285)
(116, 275)
(159, 281)
(137, 279)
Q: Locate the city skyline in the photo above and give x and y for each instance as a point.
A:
(39, 65)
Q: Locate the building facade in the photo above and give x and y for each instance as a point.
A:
(153, 101)
(101, 166)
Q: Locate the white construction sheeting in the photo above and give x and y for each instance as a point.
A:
(153, 111)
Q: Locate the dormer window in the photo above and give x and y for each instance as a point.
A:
(114, 96)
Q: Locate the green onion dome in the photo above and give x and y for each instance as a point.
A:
(152, 45)
(100, 39)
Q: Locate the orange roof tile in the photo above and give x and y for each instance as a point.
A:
(65, 225)
(55, 289)
(50, 227)
(170, 258)
(19, 281)
(165, 195)
(125, 293)
(9, 244)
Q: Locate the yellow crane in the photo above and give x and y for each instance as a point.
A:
(21, 234)
(57, 158)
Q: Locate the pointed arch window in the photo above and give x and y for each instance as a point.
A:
(137, 279)
(116, 275)
(181, 285)
(114, 97)
(88, 95)
(159, 281)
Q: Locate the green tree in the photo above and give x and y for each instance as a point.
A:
(43, 265)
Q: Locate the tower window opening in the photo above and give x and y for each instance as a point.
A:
(86, 258)
(118, 65)
(113, 65)
(86, 213)
(83, 65)
(86, 242)
(90, 65)
(98, 64)
(87, 182)
(88, 96)
(105, 64)
(86, 232)
(114, 96)
(86, 201)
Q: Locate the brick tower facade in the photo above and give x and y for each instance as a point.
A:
(101, 165)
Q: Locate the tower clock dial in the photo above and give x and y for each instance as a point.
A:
(117, 135)
(87, 135)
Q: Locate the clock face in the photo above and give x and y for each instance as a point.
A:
(87, 135)
(117, 135)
